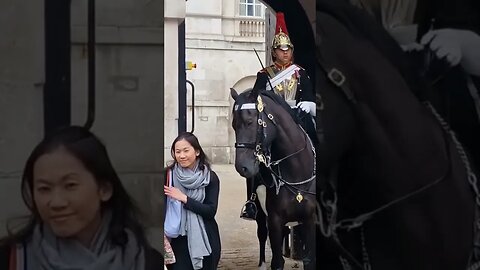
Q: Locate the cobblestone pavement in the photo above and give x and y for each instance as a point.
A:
(240, 249)
(247, 258)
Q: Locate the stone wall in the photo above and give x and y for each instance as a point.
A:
(221, 45)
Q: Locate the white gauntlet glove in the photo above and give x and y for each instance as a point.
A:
(457, 46)
(445, 43)
(308, 107)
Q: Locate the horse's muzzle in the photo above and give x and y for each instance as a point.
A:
(246, 172)
(246, 166)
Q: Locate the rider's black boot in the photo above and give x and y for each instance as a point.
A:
(249, 210)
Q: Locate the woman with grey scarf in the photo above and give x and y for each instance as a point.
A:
(81, 215)
(191, 191)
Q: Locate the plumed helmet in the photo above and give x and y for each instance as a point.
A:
(281, 40)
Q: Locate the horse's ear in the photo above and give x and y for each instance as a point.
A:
(233, 93)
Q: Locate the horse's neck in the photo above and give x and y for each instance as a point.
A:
(289, 140)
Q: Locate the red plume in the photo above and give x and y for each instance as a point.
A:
(281, 24)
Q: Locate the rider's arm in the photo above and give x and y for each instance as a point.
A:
(306, 100)
(306, 87)
(261, 81)
(208, 208)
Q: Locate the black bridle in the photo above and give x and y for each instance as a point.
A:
(261, 149)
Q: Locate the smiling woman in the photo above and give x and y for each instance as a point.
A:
(81, 215)
(191, 190)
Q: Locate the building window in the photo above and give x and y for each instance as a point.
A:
(252, 8)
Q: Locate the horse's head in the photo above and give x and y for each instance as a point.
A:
(253, 131)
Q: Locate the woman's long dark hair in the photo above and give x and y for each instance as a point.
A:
(87, 148)
(202, 158)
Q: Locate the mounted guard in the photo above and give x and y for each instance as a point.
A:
(291, 82)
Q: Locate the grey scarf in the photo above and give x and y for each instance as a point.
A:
(47, 252)
(192, 183)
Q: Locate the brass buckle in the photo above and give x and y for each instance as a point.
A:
(336, 76)
(261, 158)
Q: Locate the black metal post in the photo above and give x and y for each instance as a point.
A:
(91, 64)
(57, 92)
(193, 105)
(182, 80)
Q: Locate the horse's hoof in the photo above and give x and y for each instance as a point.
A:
(263, 266)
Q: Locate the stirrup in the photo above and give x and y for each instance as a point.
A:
(249, 209)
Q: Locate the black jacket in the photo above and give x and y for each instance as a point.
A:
(207, 210)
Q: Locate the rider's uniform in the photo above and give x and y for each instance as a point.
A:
(289, 81)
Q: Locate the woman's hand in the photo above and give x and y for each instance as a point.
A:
(175, 193)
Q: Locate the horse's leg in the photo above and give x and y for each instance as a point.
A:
(262, 233)
(297, 245)
(286, 247)
(275, 231)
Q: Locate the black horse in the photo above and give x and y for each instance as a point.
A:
(272, 145)
(395, 186)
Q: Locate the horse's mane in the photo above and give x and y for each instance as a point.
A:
(251, 96)
(281, 102)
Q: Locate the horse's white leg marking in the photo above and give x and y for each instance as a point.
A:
(262, 197)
